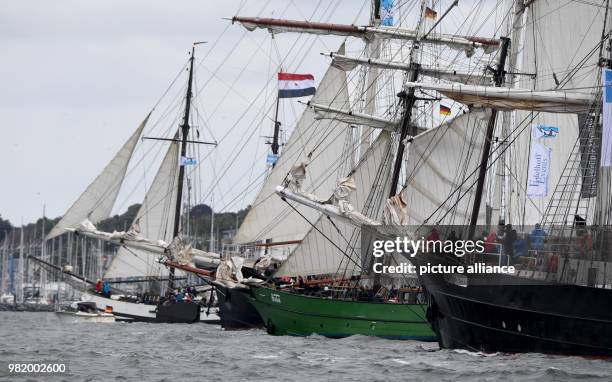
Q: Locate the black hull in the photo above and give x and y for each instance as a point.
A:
(501, 313)
(235, 310)
(178, 313)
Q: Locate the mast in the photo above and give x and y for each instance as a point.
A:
(409, 101)
(212, 223)
(185, 132)
(275, 146)
(19, 291)
(498, 76)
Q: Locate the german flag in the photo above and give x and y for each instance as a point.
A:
(445, 110)
(430, 13)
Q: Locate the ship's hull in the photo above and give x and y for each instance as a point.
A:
(294, 314)
(184, 312)
(501, 313)
(235, 310)
(75, 317)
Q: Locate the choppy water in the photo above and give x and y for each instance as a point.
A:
(160, 352)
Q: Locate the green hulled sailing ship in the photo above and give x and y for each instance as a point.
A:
(286, 313)
(343, 165)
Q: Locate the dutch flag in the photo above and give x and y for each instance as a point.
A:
(292, 85)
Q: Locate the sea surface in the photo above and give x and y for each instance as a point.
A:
(200, 352)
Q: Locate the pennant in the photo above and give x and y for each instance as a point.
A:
(544, 131)
(292, 85)
(386, 13)
(272, 159)
(430, 13)
(187, 161)
(606, 137)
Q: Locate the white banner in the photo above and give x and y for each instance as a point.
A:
(539, 169)
(606, 137)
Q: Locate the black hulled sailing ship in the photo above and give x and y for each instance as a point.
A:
(522, 155)
(544, 144)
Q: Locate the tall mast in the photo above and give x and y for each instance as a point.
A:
(409, 100)
(275, 145)
(185, 133)
(498, 76)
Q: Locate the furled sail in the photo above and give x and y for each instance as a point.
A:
(269, 217)
(154, 221)
(442, 168)
(350, 117)
(465, 43)
(316, 254)
(552, 101)
(472, 78)
(96, 203)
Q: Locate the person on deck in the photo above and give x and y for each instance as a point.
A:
(537, 237)
(434, 235)
(491, 243)
(99, 286)
(106, 290)
(509, 240)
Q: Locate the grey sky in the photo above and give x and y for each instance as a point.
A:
(77, 77)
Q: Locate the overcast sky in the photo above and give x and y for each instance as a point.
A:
(78, 76)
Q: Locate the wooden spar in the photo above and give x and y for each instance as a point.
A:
(81, 278)
(353, 30)
(308, 25)
(277, 243)
(187, 268)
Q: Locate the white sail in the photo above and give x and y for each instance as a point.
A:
(96, 203)
(271, 218)
(316, 254)
(556, 40)
(351, 117)
(552, 101)
(472, 78)
(154, 221)
(438, 162)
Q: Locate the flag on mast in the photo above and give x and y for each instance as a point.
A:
(606, 139)
(386, 13)
(430, 13)
(291, 85)
(445, 110)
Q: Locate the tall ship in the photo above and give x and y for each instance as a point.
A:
(138, 285)
(325, 286)
(523, 164)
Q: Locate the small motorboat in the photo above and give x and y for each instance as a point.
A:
(84, 311)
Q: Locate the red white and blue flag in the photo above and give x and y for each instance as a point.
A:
(292, 85)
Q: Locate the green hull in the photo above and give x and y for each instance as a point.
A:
(293, 314)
